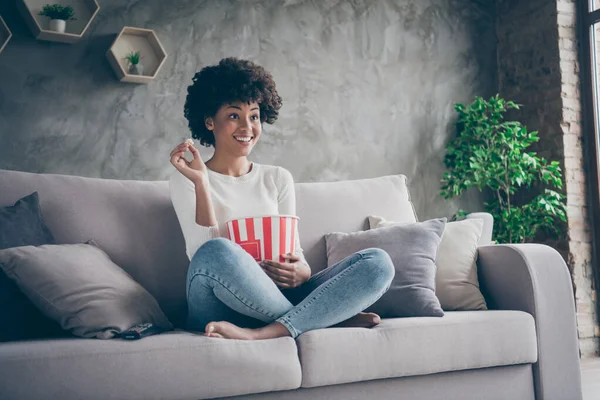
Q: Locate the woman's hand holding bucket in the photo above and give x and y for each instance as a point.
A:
(289, 274)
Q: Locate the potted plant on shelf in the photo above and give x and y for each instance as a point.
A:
(135, 68)
(59, 15)
(491, 154)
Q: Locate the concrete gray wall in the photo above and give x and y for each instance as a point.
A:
(368, 88)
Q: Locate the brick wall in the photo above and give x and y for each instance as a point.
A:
(538, 68)
(579, 235)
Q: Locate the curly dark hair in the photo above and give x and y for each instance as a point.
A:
(230, 81)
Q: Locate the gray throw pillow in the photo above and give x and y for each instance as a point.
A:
(456, 280)
(22, 224)
(79, 286)
(413, 249)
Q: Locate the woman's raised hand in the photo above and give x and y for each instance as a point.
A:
(194, 170)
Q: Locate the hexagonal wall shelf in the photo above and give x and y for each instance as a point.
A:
(5, 34)
(85, 11)
(145, 41)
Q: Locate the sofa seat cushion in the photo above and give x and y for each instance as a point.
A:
(173, 365)
(400, 347)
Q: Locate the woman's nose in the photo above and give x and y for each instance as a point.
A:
(245, 124)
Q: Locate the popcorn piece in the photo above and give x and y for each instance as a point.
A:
(189, 141)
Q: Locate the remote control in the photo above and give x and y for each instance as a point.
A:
(141, 330)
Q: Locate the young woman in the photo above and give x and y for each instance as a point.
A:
(229, 294)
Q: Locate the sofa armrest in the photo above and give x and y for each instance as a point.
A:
(534, 278)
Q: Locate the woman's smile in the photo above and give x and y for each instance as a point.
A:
(244, 140)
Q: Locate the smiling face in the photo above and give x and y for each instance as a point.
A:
(236, 127)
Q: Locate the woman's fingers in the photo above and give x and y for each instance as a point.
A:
(181, 148)
(278, 278)
(175, 158)
(284, 275)
(196, 153)
(176, 155)
(281, 277)
(280, 282)
(280, 266)
(291, 257)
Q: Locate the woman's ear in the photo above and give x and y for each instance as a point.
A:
(210, 123)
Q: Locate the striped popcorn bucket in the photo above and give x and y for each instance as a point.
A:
(265, 238)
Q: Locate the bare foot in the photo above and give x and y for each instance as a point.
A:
(227, 330)
(361, 320)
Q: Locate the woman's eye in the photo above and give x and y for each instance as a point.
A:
(235, 116)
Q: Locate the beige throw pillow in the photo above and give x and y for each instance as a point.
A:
(457, 284)
(79, 286)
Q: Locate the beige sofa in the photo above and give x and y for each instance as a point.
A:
(524, 347)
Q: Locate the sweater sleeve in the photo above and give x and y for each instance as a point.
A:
(286, 201)
(183, 197)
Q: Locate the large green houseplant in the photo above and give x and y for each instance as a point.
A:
(490, 154)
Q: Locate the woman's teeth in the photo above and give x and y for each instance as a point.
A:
(247, 139)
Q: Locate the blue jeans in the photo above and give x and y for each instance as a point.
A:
(224, 283)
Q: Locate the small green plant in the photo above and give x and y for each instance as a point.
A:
(133, 57)
(56, 11)
(490, 154)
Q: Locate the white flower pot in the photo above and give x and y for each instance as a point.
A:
(58, 25)
(136, 69)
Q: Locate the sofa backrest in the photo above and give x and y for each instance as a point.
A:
(343, 206)
(132, 221)
(135, 223)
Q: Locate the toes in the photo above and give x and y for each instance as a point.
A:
(212, 331)
(214, 335)
(210, 328)
(374, 317)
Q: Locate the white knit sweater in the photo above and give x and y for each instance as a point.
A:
(265, 190)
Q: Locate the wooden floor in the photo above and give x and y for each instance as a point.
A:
(590, 376)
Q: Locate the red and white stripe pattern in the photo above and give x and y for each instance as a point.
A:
(265, 238)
